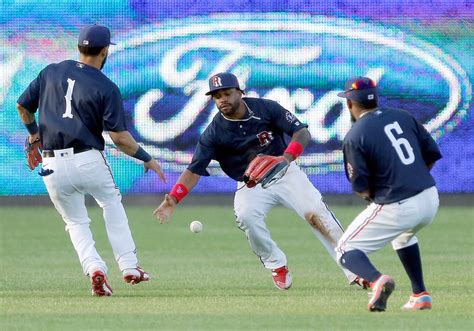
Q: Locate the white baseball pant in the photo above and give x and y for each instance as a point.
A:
(397, 223)
(89, 173)
(296, 192)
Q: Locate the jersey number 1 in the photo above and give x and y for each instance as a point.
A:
(407, 159)
(68, 97)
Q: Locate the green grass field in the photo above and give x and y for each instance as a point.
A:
(213, 281)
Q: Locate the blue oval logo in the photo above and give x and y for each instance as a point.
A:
(300, 61)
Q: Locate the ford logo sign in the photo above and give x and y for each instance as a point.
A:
(301, 61)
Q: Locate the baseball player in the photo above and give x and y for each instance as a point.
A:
(247, 138)
(388, 156)
(76, 102)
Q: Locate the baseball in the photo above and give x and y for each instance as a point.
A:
(195, 226)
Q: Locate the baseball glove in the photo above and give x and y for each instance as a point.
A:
(33, 153)
(265, 170)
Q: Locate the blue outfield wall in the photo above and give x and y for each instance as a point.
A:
(298, 53)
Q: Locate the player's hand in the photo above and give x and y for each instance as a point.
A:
(155, 166)
(165, 209)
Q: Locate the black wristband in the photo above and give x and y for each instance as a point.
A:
(32, 128)
(141, 154)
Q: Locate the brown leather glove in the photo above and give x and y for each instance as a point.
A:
(265, 170)
(33, 153)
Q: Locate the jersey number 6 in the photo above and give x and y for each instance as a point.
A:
(68, 97)
(407, 159)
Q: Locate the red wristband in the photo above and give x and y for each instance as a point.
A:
(295, 149)
(179, 191)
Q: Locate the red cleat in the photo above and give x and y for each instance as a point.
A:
(282, 278)
(100, 287)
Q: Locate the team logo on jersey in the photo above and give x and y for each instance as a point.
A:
(265, 138)
(168, 108)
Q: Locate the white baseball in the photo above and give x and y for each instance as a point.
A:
(195, 226)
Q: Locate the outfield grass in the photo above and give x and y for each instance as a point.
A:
(212, 280)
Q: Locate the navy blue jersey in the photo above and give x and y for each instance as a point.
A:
(234, 143)
(76, 103)
(387, 152)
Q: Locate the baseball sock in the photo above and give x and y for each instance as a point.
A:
(411, 260)
(358, 262)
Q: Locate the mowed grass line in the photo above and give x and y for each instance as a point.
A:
(212, 280)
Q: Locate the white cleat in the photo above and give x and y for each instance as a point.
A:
(420, 301)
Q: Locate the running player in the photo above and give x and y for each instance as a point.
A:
(243, 128)
(76, 103)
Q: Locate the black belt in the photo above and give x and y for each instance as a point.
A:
(50, 153)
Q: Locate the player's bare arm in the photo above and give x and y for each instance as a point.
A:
(124, 141)
(27, 118)
(25, 115)
(127, 144)
(301, 136)
(33, 143)
(183, 186)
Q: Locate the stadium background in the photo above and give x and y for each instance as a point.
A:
(421, 52)
(296, 52)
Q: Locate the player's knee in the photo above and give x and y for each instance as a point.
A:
(342, 248)
(244, 223)
(404, 240)
(248, 218)
(338, 257)
(240, 224)
(245, 215)
(73, 223)
(339, 252)
(109, 200)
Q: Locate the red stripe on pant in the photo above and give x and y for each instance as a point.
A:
(367, 221)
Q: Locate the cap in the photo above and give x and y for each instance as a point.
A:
(359, 89)
(221, 81)
(94, 36)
